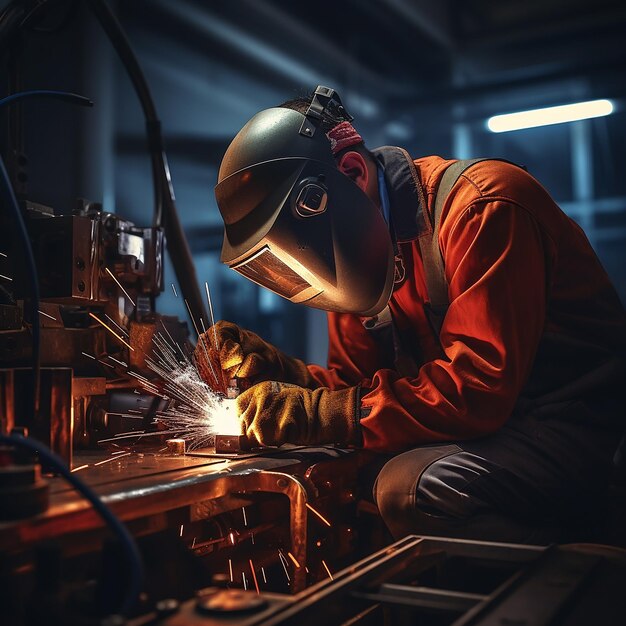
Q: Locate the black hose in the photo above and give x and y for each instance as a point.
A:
(165, 213)
(131, 551)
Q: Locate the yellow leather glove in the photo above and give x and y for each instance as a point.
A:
(274, 413)
(242, 354)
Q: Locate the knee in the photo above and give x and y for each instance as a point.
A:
(394, 490)
(420, 485)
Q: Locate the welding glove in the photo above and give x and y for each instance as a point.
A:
(274, 413)
(242, 354)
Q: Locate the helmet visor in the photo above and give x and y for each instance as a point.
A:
(267, 270)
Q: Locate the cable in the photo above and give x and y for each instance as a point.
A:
(113, 522)
(165, 213)
(66, 96)
(10, 201)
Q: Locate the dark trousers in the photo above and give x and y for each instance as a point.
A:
(533, 481)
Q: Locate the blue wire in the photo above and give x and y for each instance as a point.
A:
(131, 550)
(47, 93)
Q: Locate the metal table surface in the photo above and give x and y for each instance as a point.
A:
(142, 484)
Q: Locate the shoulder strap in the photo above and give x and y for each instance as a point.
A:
(436, 282)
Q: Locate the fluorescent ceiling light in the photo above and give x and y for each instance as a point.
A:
(549, 115)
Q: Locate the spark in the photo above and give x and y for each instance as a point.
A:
(46, 315)
(80, 467)
(117, 361)
(282, 561)
(6, 277)
(174, 290)
(193, 543)
(196, 412)
(139, 376)
(245, 582)
(123, 330)
(119, 284)
(3, 255)
(308, 506)
(118, 452)
(206, 353)
(90, 356)
(245, 520)
(133, 417)
(129, 432)
(193, 320)
(293, 558)
(263, 572)
(132, 433)
(230, 569)
(256, 583)
(111, 331)
(212, 320)
(327, 570)
(181, 530)
(113, 458)
(252, 537)
(231, 536)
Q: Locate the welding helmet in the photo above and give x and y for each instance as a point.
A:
(293, 222)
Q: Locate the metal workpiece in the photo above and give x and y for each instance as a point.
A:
(245, 501)
(418, 580)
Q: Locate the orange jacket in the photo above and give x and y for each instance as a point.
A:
(523, 281)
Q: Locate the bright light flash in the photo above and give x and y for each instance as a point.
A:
(224, 418)
(549, 115)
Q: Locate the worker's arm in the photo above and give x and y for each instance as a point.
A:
(495, 266)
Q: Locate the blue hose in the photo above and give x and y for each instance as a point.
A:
(131, 551)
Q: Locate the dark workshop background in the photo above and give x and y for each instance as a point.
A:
(421, 74)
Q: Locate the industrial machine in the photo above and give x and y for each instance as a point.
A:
(87, 383)
(107, 517)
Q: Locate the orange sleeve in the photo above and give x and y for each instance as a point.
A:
(352, 353)
(495, 266)
(495, 259)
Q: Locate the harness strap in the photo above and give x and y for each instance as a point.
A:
(432, 259)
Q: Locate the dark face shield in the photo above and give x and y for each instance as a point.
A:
(301, 228)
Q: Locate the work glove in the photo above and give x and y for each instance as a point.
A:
(274, 413)
(242, 354)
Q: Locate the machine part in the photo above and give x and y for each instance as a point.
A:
(165, 214)
(53, 424)
(451, 582)
(176, 446)
(231, 444)
(67, 254)
(30, 272)
(23, 493)
(230, 602)
(131, 552)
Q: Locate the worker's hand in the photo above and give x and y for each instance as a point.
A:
(274, 413)
(242, 354)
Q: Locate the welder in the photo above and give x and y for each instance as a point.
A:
(473, 334)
